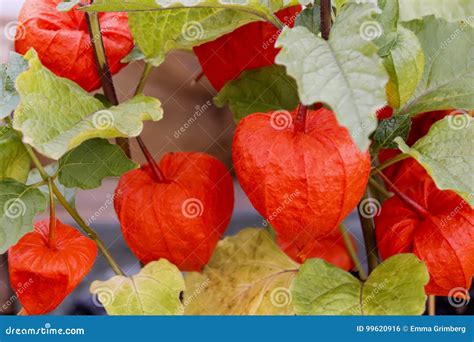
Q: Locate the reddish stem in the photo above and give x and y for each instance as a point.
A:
(417, 208)
(157, 173)
(325, 15)
(300, 121)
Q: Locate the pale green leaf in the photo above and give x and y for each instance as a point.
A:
(18, 206)
(447, 154)
(8, 73)
(88, 164)
(448, 77)
(259, 90)
(155, 290)
(52, 170)
(14, 160)
(395, 287)
(345, 72)
(451, 10)
(56, 115)
(247, 275)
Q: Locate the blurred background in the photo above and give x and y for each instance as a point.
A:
(174, 83)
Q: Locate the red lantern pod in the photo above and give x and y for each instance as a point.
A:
(63, 44)
(181, 218)
(42, 275)
(303, 182)
(442, 236)
(248, 47)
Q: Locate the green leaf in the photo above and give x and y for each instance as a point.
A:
(52, 170)
(259, 90)
(452, 10)
(18, 206)
(14, 160)
(67, 5)
(87, 165)
(395, 287)
(388, 129)
(448, 77)
(447, 154)
(154, 291)
(55, 114)
(158, 26)
(310, 18)
(345, 72)
(8, 73)
(135, 55)
(247, 275)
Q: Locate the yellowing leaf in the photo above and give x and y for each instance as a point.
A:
(154, 291)
(56, 115)
(247, 275)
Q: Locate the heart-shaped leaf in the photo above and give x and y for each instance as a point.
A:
(395, 287)
(155, 290)
(18, 206)
(259, 90)
(14, 161)
(344, 72)
(247, 275)
(56, 115)
(447, 154)
(87, 165)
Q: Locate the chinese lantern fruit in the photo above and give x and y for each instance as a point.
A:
(63, 42)
(42, 273)
(248, 47)
(303, 181)
(180, 218)
(441, 234)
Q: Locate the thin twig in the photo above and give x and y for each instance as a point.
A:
(389, 162)
(52, 215)
(325, 14)
(352, 252)
(368, 230)
(432, 305)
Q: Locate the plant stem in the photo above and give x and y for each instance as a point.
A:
(300, 122)
(368, 231)
(74, 214)
(352, 252)
(417, 208)
(432, 305)
(325, 14)
(52, 216)
(95, 35)
(146, 73)
(157, 174)
(389, 162)
(379, 188)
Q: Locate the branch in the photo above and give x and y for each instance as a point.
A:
(368, 230)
